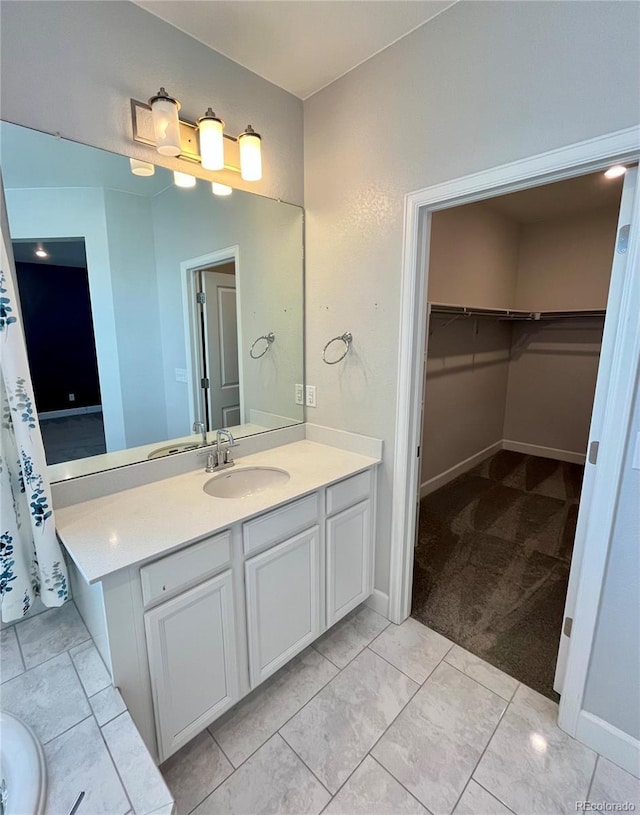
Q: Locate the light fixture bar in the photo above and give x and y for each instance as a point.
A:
(143, 133)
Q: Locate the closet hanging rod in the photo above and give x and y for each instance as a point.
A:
(511, 314)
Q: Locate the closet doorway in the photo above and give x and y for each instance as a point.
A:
(517, 294)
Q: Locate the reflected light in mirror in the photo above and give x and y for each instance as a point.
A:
(615, 172)
(141, 168)
(250, 155)
(220, 189)
(183, 179)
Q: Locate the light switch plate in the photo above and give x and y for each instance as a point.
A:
(299, 395)
(311, 396)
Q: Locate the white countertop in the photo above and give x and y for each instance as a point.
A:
(115, 531)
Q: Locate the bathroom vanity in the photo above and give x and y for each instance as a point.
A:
(194, 600)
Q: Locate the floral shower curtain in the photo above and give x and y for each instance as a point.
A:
(31, 561)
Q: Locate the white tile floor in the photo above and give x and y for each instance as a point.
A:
(379, 719)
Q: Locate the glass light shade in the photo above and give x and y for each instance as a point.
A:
(250, 155)
(211, 130)
(183, 179)
(166, 125)
(220, 189)
(616, 171)
(143, 168)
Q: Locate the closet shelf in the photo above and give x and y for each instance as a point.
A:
(510, 313)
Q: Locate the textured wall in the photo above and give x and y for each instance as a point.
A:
(71, 67)
(483, 84)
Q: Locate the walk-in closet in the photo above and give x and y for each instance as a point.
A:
(517, 291)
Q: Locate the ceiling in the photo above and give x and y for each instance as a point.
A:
(299, 45)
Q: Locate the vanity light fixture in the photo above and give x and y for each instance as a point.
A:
(142, 168)
(616, 171)
(183, 179)
(211, 128)
(40, 251)
(205, 142)
(220, 189)
(166, 125)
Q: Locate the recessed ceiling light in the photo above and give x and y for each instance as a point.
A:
(40, 252)
(616, 171)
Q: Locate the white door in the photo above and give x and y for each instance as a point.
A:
(283, 602)
(349, 561)
(597, 416)
(192, 661)
(220, 335)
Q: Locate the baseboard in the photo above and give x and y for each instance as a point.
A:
(378, 601)
(61, 414)
(440, 480)
(543, 452)
(609, 741)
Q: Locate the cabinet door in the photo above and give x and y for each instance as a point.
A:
(192, 660)
(283, 608)
(349, 560)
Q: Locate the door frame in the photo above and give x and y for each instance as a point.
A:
(556, 165)
(192, 324)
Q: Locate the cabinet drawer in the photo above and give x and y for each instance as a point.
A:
(194, 563)
(348, 492)
(279, 524)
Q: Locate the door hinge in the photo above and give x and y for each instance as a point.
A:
(204, 382)
(623, 239)
(568, 625)
(593, 452)
(201, 297)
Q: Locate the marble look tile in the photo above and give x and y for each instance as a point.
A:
(49, 698)
(273, 780)
(107, 704)
(492, 678)
(347, 638)
(50, 633)
(257, 718)
(372, 789)
(531, 765)
(10, 659)
(79, 761)
(143, 782)
(475, 800)
(412, 647)
(436, 741)
(334, 732)
(195, 771)
(613, 785)
(91, 670)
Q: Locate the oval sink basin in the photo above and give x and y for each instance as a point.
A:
(170, 449)
(245, 481)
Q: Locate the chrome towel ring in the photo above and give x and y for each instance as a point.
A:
(346, 339)
(268, 338)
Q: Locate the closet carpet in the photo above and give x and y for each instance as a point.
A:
(492, 562)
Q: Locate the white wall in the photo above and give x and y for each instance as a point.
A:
(135, 300)
(483, 84)
(191, 223)
(71, 68)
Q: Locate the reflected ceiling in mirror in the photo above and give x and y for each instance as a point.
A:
(150, 310)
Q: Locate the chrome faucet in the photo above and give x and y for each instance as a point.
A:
(199, 427)
(224, 457)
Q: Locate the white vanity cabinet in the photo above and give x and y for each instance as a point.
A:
(349, 545)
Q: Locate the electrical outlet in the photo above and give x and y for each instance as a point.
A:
(72, 397)
(299, 395)
(311, 396)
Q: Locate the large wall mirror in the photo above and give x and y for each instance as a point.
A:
(149, 308)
